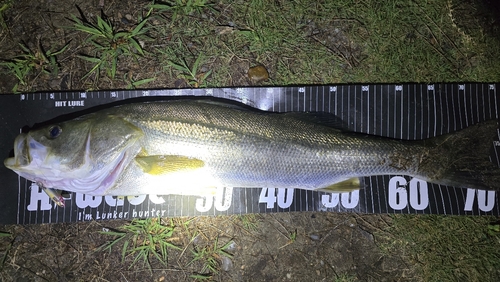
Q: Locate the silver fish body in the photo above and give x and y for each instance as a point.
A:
(191, 146)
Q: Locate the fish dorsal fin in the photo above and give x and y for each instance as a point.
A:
(348, 185)
(159, 164)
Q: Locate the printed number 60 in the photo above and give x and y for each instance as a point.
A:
(398, 194)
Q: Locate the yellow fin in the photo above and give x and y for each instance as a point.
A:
(158, 164)
(343, 186)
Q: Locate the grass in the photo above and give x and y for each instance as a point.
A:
(5, 5)
(143, 239)
(34, 63)
(210, 257)
(344, 277)
(190, 74)
(180, 8)
(5, 235)
(249, 222)
(447, 248)
(110, 43)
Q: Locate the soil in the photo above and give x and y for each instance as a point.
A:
(277, 247)
(327, 247)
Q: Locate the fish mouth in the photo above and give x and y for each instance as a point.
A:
(21, 153)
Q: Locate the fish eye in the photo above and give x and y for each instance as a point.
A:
(55, 131)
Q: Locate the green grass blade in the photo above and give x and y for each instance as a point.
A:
(137, 46)
(138, 29)
(141, 82)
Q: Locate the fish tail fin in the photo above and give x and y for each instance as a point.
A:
(463, 158)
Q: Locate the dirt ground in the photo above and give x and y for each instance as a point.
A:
(328, 247)
(270, 247)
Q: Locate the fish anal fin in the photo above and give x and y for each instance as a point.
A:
(159, 164)
(347, 185)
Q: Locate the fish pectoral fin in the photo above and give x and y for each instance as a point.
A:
(159, 164)
(348, 185)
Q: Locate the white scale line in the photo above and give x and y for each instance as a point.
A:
(329, 101)
(324, 100)
(415, 136)
(489, 103)
(482, 100)
(421, 116)
(465, 108)
(348, 106)
(361, 109)
(409, 114)
(477, 103)
(464, 197)
(375, 118)
(402, 94)
(435, 111)
(427, 99)
(453, 107)
(459, 92)
(496, 104)
(394, 112)
(447, 113)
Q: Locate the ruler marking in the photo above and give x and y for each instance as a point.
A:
(402, 96)
(307, 199)
(427, 102)
(361, 116)
(496, 103)
(415, 122)
(384, 190)
(453, 107)
(317, 98)
(394, 115)
(357, 121)
(456, 200)
(375, 118)
(447, 113)
(447, 192)
(382, 116)
(459, 93)
(349, 107)
(489, 104)
(435, 199)
(409, 107)
(462, 211)
(329, 101)
(422, 115)
(477, 104)
(435, 112)
(336, 102)
(442, 201)
(469, 118)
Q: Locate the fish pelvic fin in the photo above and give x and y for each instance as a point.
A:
(159, 164)
(462, 159)
(348, 185)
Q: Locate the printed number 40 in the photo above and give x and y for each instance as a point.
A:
(283, 196)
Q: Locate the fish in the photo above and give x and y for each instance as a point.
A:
(191, 147)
